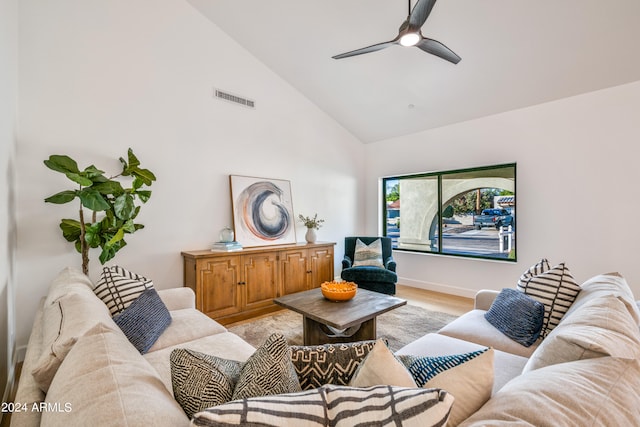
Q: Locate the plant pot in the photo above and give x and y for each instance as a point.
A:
(310, 236)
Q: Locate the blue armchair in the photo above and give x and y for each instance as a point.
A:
(369, 277)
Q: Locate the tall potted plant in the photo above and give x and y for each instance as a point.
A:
(111, 207)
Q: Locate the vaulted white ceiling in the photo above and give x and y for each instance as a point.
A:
(515, 53)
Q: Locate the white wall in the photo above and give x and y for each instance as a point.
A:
(100, 76)
(8, 119)
(577, 187)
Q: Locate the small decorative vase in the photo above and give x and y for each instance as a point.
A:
(310, 236)
(226, 235)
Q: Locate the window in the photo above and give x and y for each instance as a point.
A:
(467, 212)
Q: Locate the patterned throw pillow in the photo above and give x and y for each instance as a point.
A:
(381, 367)
(144, 320)
(556, 289)
(118, 288)
(468, 377)
(337, 406)
(534, 270)
(368, 255)
(516, 315)
(201, 381)
(318, 365)
(268, 371)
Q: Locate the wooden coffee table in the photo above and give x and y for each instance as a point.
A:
(325, 321)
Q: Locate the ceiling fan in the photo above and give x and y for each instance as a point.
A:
(409, 34)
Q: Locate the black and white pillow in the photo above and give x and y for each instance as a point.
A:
(556, 289)
(201, 381)
(268, 371)
(337, 406)
(118, 288)
(144, 320)
(317, 365)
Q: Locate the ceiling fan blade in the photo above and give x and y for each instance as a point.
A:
(368, 49)
(420, 13)
(436, 48)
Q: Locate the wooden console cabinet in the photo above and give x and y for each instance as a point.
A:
(233, 286)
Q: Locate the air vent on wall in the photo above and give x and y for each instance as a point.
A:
(229, 97)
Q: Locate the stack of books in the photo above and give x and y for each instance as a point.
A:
(226, 246)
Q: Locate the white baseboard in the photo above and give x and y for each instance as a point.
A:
(436, 287)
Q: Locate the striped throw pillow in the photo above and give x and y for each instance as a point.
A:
(368, 255)
(118, 288)
(556, 289)
(338, 406)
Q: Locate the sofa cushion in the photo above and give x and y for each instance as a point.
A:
(601, 327)
(317, 365)
(337, 406)
(105, 381)
(187, 324)
(268, 371)
(468, 377)
(201, 381)
(118, 288)
(607, 284)
(593, 392)
(381, 367)
(64, 321)
(144, 320)
(516, 315)
(69, 281)
(536, 269)
(556, 289)
(368, 255)
(473, 327)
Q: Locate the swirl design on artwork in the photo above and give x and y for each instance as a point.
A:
(263, 212)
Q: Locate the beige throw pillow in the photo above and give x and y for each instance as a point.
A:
(381, 367)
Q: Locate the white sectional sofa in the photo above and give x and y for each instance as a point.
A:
(586, 372)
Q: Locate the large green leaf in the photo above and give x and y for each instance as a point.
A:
(124, 206)
(84, 181)
(62, 197)
(109, 187)
(92, 172)
(70, 229)
(92, 234)
(133, 160)
(145, 175)
(144, 195)
(129, 226)
(116, 238)
(108, 252)
(62, 164)
(92, 199)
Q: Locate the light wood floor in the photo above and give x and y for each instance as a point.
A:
(435, 301)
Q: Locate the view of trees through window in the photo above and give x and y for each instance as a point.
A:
(469, 212)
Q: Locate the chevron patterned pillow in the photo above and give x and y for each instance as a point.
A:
(201, 381)
(338, 406)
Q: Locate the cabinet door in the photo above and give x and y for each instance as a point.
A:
(294, 271)
(321, 266)
(259, 279)
(218, 282)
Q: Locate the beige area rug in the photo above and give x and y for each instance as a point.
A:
(399, 327)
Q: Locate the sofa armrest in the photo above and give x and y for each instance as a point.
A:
(178, 298)
(390, 264)
(484, 299)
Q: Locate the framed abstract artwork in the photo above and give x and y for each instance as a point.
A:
(262, 211)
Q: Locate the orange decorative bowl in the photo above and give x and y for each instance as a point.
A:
(339, 291)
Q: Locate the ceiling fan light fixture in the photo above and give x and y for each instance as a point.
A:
(410, 39)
